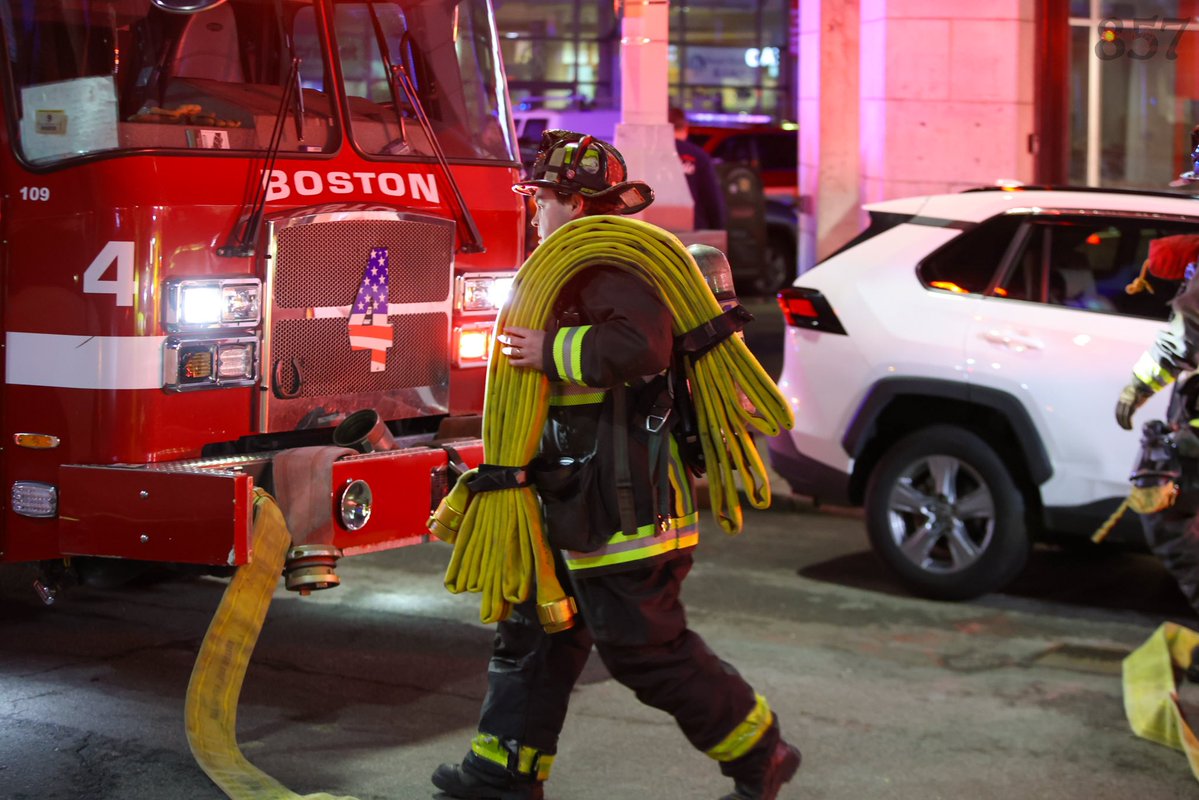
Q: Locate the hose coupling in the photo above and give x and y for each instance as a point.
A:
(558, 615)
(447, 519)
(310, 566)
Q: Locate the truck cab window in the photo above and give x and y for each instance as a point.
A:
(99, 76)
(95, 76)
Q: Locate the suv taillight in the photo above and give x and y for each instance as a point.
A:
(808, 308)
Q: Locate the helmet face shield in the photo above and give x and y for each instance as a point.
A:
(581, 164)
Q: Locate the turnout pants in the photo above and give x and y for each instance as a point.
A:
(1173, 535)
(638, 626)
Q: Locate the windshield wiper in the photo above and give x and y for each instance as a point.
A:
(298, 107)
(242, 245)
(471, 239)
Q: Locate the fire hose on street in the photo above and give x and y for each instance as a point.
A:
(500, 549)
(210, 712)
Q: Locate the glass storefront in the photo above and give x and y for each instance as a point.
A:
(1133, 90)
(732, 57)
(726, 56)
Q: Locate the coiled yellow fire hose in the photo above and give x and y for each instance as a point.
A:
(499, 543)
(210, 713)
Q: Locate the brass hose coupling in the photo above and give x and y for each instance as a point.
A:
(310, 566)
(447, 519)
(558, 615)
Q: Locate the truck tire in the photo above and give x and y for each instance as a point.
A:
(944, 513)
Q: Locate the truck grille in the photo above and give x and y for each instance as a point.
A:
(320, 264)
(317, 264)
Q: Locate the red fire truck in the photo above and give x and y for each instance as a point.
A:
(231, 228)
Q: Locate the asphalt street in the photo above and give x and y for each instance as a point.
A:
(362, 690)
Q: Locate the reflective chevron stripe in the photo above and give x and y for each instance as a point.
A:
(529, 760)
(1149, 372)
(745, 735)
(568, 353)
(566, 394)
(647, 542)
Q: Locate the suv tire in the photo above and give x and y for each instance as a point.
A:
(943, 511)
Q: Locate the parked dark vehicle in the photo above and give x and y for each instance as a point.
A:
(782, 246)
(772, 151)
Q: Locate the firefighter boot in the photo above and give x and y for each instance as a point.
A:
(760, 773)
(480, 779)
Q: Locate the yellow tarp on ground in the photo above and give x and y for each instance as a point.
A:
(1151, 690)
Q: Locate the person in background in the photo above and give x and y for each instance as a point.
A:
(701, 176)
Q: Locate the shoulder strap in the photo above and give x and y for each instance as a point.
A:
(620, 450)
(657, 415)
(700, 340)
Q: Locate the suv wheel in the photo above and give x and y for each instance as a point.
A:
(944, 513)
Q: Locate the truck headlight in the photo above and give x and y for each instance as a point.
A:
(482, 293)
(212, 303)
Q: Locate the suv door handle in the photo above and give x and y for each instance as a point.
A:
(1013, 341)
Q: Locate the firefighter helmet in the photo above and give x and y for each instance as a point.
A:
(1171, 258)
(581, 164)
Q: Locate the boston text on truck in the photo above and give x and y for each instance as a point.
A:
(233, 230)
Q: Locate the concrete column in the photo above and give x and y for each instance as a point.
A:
(908, 97)
(946, 95)
(828, 127)
(643, 136)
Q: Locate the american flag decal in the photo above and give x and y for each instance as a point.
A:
(369, 329)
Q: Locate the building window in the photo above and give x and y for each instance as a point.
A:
(726, 56)
(1133, 90)
(560, 54)
(732, 57)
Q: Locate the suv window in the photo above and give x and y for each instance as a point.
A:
(1085, 263)
(968, 262)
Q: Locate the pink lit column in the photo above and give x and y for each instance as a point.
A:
(643, 136)
(829, 178)
(946, 95)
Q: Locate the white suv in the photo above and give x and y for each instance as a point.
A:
(955, 370)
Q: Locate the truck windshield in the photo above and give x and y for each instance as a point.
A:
(109, 75)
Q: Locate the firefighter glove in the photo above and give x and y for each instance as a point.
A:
(1132, 397)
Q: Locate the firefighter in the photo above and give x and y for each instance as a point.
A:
(605, 448)
(1172, 533)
